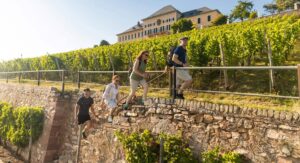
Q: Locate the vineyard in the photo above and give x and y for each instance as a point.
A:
(265, 41)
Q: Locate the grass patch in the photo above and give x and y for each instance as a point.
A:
(242, 101)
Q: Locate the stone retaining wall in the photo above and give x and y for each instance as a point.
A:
(261, 135)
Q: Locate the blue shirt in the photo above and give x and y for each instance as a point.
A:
(181, 53)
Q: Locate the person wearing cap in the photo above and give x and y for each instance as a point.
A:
(180, 60)
(82, 108)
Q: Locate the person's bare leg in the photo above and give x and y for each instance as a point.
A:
(131, 94)
(184, 85)
(145, 92)
(88, 126)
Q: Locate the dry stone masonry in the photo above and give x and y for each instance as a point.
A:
(261, 135)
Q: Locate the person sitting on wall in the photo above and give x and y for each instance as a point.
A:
(82, 114)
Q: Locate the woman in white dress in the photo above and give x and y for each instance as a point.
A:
(111, 95)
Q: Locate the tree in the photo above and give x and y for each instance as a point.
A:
(242, 10)
(104, 42)
(182, 25)
(271, 8)
(253, 15)
(283, 5)
(222, 19)
(95, 46)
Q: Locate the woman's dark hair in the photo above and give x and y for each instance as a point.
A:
(139, 57)
(87, 90)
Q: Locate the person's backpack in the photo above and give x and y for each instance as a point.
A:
(170, 63)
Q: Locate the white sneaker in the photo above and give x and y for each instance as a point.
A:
(109, 119)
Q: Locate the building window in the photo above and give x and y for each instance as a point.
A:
(169, 19)
(208, 18)
(163, 28)
(153, 24)
(141, 34)
(125, 37)
(173, 19)
(163, 21)
(199, 20)
(135, 35)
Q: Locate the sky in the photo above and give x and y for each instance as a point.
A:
(30, 28)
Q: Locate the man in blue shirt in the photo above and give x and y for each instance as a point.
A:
(180, 60)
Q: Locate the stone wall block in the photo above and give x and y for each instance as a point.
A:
(236, 109)
(295, 116)
(270, 113)
(221, 108)
(179, 117)
(208, 118)
(289, 116)
(226, 108)
(276, 114)
(218, 118)
(248, 124)
(131, 114)
(282, 115)
(177, 101)
(230, 109)
(162, 100)
(198, 105)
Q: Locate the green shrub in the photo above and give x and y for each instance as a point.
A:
(18, 125)
(175, 150)
(232, 157)
(214, 156)
(139, 148)
(144, 148)
(6, 121)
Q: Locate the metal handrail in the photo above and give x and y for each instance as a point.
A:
(240, 68)
(38, 76)
(243, 94)
(120, 72)
(17, 72)
(182, 68)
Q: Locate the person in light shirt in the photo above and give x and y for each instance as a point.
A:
(110, 96)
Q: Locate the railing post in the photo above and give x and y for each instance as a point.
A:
(19, 79)
(161, 151)
(6, 77)
(170, 83)
(62, 81)
(174, 83)
(78, 79)
(38, 78)
(298, 77)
